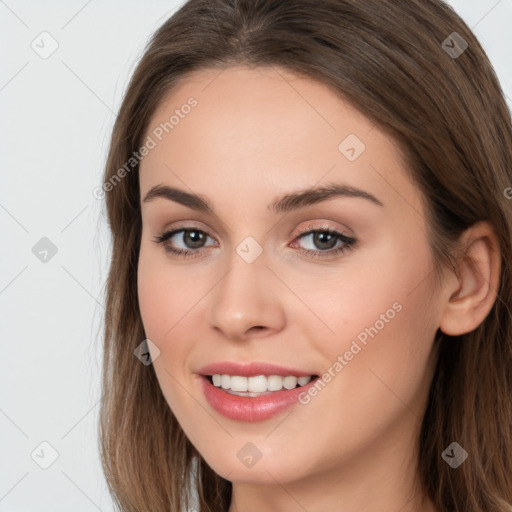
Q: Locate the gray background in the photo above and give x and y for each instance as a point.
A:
(56, 117)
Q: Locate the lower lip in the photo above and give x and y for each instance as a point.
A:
(251, 409)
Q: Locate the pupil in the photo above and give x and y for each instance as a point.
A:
(322, 238)
(196, 238)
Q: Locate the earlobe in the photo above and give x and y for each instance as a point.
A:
(474, 291)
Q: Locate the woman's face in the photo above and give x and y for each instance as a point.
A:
(262, 285)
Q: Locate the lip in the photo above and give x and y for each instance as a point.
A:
(251, 409)
(251, 369)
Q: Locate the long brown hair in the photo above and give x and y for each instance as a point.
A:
(400, 64)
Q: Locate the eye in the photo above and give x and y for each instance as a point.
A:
(193, 241)
(327, 242)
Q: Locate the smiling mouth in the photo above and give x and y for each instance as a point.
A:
(259, 385)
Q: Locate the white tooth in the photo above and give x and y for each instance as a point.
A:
(290, 382)
(303, 380)
(274, 383)
(257, 384)
(238, 383)
(225, 381)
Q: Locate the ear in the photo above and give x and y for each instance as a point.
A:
(473, 291)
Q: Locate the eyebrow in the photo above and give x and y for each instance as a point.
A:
(284, 204)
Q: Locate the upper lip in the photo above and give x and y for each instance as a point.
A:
(251, 369)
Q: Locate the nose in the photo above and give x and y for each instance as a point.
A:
(246, 302)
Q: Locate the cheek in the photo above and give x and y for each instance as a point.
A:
(381, 317)
(155, 301)
(396, 337)
(165, 293)
(351, 300)
(162, 306)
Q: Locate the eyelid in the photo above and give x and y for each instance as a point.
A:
(313, 227)
(189, 225)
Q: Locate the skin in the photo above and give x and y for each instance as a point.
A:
(255, 135)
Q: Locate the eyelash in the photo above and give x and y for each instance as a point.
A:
(348, 243)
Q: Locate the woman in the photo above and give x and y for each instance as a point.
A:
(311, 261)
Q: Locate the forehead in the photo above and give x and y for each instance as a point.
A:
(263, 101)
(264, 128)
